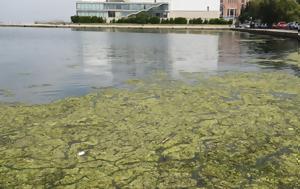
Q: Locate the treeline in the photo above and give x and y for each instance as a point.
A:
(178, 20)
(87, 19)
(219, 21)
(271, 11)
(146, 19)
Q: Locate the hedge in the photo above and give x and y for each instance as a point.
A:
(87, 19)
(196, 21)
(179, 20)
(145, 18)
(219, 21)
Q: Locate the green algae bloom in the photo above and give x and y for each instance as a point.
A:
(294, 59)
(238, 130)
(291, 59)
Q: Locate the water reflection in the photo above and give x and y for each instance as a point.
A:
(62, 62)
(199, 54)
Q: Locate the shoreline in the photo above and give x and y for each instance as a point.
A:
(121, 26)
(272, 32)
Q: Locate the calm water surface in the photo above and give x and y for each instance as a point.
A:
(42, 65)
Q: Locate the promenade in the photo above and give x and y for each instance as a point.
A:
(120, 26)
(274, 32)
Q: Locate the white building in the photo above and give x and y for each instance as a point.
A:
(115, 9)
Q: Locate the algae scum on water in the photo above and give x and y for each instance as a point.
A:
(233, 131)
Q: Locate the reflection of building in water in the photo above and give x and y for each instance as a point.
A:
(137, 55)
(95, 60)
(193, 53)
(115, 57)
(229, 48)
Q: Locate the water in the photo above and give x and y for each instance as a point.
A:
(236, 129)
(43, 65)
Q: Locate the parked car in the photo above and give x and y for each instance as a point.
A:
(245, 25)
(260, 26)
(280, 25)
(293, 25)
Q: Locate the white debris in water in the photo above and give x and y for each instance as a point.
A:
(291, 129)
(81, 153)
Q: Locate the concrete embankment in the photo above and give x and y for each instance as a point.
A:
(274, 32)
(120, 26)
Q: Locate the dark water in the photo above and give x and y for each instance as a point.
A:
(42, 65)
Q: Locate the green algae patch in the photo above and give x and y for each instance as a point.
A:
(232, 131)
(291, 59)
(294, 59)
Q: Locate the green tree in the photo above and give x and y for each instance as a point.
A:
(271, 11)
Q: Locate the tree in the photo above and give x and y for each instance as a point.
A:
(271, 11)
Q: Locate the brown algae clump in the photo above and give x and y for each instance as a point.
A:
(232, 131)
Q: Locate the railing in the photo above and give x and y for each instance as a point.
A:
(146, 10)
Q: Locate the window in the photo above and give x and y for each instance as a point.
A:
(111, 14)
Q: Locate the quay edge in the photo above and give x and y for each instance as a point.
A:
(273, 32)
(121, 26)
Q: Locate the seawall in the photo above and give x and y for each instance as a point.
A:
(120, 26)
(274, 32)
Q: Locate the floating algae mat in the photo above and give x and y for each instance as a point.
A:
(232, 131)
(291, 59)
(294, 59)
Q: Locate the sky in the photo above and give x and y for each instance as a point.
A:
(29, 11)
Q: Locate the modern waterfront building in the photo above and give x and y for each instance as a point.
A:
(115, 9)
(204, 9)
(231, 9)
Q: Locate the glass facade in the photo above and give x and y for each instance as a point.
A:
(119, 9)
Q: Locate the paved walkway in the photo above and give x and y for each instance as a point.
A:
(274, 32)
(125, 26)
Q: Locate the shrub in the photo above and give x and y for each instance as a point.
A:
(205, 21)
(196, 21)
(87, 19)
(217, 21)
(75, 19)
(154, 20)
(164, 21)
(180, 20)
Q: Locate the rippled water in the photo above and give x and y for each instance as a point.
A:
(42, 65)
(234, 125)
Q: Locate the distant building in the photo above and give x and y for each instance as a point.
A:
(204, 9)
(231, 9)
(115, 9)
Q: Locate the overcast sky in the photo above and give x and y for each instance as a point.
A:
(24, 11)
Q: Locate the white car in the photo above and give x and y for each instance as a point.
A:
(245, 25)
